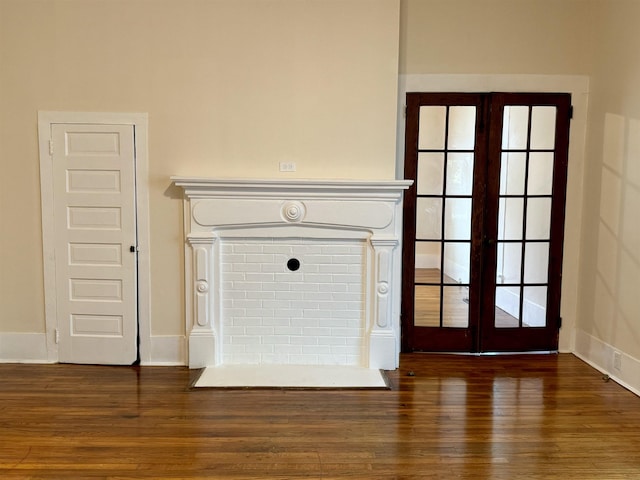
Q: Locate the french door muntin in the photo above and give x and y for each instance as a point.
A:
(486, 215)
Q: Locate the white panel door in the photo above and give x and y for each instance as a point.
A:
(95, 230)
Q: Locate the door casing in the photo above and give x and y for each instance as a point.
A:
(140, 123)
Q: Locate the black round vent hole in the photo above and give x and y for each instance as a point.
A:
(293, 264)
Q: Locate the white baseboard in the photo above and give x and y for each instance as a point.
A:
(600, 355)
(23, 348)
(167, 350)
(32, 348)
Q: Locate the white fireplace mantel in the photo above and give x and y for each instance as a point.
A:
(360, 217)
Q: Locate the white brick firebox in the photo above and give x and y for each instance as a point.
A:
(292, 272)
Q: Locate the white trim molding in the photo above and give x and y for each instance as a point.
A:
(140, 123)
(616, 364)
(24, 348)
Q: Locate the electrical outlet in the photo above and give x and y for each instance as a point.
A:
(617, 361)
(287, 166)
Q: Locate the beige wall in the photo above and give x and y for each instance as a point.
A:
(231, 87)
(494, 36)
(610, 269)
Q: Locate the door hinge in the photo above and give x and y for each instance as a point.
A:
(57, 335)
(559, 322)
(570, 112)
(50, 147)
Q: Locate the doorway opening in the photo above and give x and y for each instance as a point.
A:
(484, 221)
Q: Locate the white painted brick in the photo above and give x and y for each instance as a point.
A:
(233, 277)
(308, 249)
(287, 330)
(305, 322)
(333, 359)
(283, 249)
(319, 259)
(288, 349)
(246, 339)
(245, 303)
(289, 277)
(276, 304)
(226, 267)
(303, 340)
(248, 286)
(333, 268)
(233, 330)
(354, 359)
(277, 322)
(259, 312)
(264, 348)
(259, 258)
(346, 278)
(316, 313)
(354, 341)
(287, 312)
(272, 268)
(310, 268)
(318, 278)
(278, 286)
(234, 294)
(346, 349)
(259, 277)
(332, 341)
(258, 330)
(282, 295)
(335, 249)
(347, 297)
(305, 304)
(305, 287)
(232, 348)
(347, 259)
(346, 314)
(232, 259)
(250, 248)
(275, 339)
(357, 269)
(226, 248)
(346, 332)
(232, 312)
(358, 288)
(316, 349)
(261, 295)
(246, 267)
(246, 321)
(316, 331)
(334, 287)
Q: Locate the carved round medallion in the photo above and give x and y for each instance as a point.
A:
(202, 287)
(293, 211)
(383, 288)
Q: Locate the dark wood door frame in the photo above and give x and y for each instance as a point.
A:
(482, 334)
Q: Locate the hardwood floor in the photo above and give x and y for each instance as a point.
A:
(457, 417)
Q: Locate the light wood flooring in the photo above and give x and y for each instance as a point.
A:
(455, 417)
(455, 303)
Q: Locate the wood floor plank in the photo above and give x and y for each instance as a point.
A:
(466, 417)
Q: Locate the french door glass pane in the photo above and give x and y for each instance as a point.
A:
(457, 262)
(512, 173)
(460, 174)
(510, 218)
(430, 173)
(433, 120)
(462, 128)
(507, 307)
(543, 128)
(515, 127)
(538, 218)
(536, 262)
(534, 307)
(509, 263)
(429, 218)
(428, 262)
(540, 179)
(455, 307)
(427, 306)
(457, 225)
